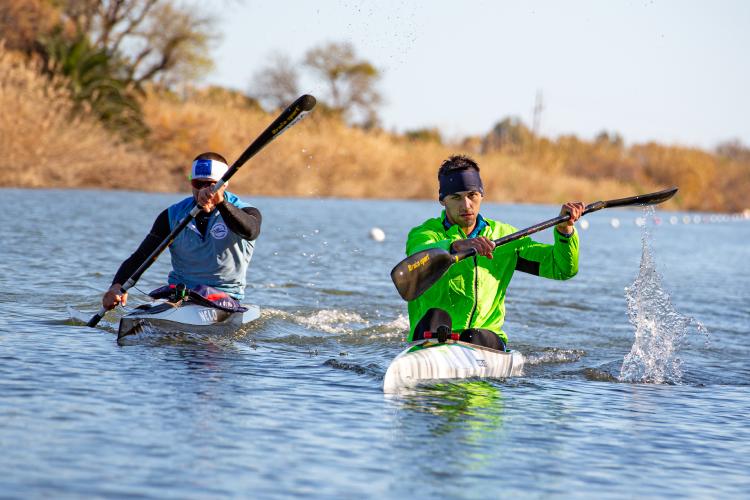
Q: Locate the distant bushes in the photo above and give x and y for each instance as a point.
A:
(425, 135)
(708, 181)
(46, 144)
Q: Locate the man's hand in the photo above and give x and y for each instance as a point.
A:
(483, 246)
(208, 200)
(575, 209)
(113, 297)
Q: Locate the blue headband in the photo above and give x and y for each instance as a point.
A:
(455, 181)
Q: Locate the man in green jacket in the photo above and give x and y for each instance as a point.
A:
(470, 297)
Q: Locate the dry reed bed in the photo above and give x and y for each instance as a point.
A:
(322, 157)
(45, 145)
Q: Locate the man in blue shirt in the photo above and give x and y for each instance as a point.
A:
(213, 250)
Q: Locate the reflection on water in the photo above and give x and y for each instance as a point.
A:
(476, 405)
(468, 413)
(659, 328)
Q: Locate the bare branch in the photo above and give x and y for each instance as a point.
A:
(164, 40)
(134, 23)
(276, 84)
(351, 81)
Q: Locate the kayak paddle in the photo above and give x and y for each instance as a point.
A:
(419, 271)
(283, 122)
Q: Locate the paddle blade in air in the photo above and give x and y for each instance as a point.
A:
(415, 274)
(643, 199)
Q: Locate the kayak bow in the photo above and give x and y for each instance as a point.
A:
(183, 316)
(432, 361)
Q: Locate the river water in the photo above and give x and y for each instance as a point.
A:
(293, 406)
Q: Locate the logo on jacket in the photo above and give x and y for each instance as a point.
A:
(219, 231)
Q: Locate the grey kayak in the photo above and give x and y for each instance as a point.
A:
(184, 316)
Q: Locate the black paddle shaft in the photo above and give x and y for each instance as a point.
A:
(283, 122)
(418, 272)
(640, 200)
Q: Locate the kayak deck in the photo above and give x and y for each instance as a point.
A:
(183, 317)
(431, 361)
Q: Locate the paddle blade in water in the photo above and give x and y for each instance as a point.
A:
(415, 274)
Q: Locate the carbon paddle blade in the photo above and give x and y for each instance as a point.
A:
(643, 199)
(415, 274)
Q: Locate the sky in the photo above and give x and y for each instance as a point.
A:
(676, 72)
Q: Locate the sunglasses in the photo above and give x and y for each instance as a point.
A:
(200, 184)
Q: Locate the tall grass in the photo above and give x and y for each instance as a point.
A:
(323, 157)
(45, 144)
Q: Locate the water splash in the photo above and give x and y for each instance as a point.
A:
(660, 329)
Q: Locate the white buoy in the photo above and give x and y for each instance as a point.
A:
(673, 220)
(584, 224)
(377, 234)
(640, 221)
(614, 222)
(686, 219)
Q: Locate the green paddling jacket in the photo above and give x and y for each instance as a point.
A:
(473, 290)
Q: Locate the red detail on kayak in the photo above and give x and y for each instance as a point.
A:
(433, 335)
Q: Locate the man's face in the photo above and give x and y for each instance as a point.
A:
(462, 208)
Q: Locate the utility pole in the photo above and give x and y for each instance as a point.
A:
(538, 108)
(536, 123)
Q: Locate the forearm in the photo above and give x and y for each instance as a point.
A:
(245, 222)
(558, 261)
(566, 255)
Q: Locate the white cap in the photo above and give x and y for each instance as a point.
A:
(208, 169)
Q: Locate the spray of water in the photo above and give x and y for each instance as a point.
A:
(660, 329)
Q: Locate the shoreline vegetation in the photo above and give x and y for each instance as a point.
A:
(49, 141)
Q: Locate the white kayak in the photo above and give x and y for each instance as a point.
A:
(432, 361)
(184, 316)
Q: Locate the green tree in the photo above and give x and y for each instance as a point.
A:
(109, 49)
(94, 82)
